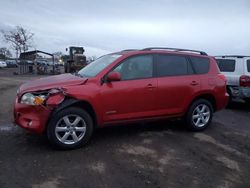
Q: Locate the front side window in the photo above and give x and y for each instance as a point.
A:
(137, 67)
(92, 69)
(226, 65)
(171, 65)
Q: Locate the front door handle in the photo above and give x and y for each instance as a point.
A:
(150, 86)
(194, 83)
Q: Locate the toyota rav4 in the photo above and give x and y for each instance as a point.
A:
(123, 87)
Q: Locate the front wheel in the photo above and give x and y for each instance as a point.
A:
(199, 115)
(70, 128)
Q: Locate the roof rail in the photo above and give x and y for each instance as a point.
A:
(176, 49)
(238, 56)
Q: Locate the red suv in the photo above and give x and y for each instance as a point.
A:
(123, 87)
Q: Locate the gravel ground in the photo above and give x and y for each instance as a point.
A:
(158, 154)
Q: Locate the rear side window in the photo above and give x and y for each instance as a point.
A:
(226, 65)
(200, 65)
(248, 65)
(170, 65)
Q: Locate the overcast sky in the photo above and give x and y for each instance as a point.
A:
(215, 26)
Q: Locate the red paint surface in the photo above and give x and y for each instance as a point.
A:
(124, 101)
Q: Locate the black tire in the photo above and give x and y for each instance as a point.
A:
(230, 99)
(66, 68)
(57, 121)
(191, 112)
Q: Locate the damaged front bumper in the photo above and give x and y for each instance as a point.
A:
(35, 117)
(32, 118)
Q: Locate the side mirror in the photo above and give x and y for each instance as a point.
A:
(113, 76)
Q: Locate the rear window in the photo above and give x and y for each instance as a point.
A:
(201, 65)
(248, 65)
(226, 65)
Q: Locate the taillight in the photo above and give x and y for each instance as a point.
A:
(244, 81)
(223, 77)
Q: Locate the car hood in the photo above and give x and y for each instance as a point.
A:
(50, 82)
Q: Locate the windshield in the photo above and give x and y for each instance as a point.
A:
(92, 69)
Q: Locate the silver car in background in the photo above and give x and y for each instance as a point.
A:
(3, 64)
(236, 68)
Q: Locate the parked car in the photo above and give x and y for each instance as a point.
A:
(237, 71)
(123, 87)
(11, 64)
(3, 64)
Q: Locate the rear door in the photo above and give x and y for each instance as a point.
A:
(176, 83)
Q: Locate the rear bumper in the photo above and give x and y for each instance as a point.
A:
(32, 118)
(222, 102)
(240, 92)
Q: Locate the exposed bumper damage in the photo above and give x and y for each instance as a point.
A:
(241, 92)
(35, 117)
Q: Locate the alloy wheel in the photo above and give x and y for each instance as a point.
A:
(201, 115)
(70, 129)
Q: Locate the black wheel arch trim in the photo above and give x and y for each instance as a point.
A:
(207, 96)
(67, 102)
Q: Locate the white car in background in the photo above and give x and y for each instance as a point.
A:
(236, 68)
(3, 64)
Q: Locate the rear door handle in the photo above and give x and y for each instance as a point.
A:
(194, 83)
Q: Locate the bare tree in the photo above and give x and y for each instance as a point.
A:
(5, 53)
(19, 38)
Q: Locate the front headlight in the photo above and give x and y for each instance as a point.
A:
(33, 99)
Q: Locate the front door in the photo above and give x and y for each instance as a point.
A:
(134, 96)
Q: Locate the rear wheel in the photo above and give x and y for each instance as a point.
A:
(70, 128)
(199, 115)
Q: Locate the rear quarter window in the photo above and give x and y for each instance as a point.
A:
(226, 65)
(248, 65)
(200, 65)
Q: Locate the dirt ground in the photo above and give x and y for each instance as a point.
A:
(159, 154)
